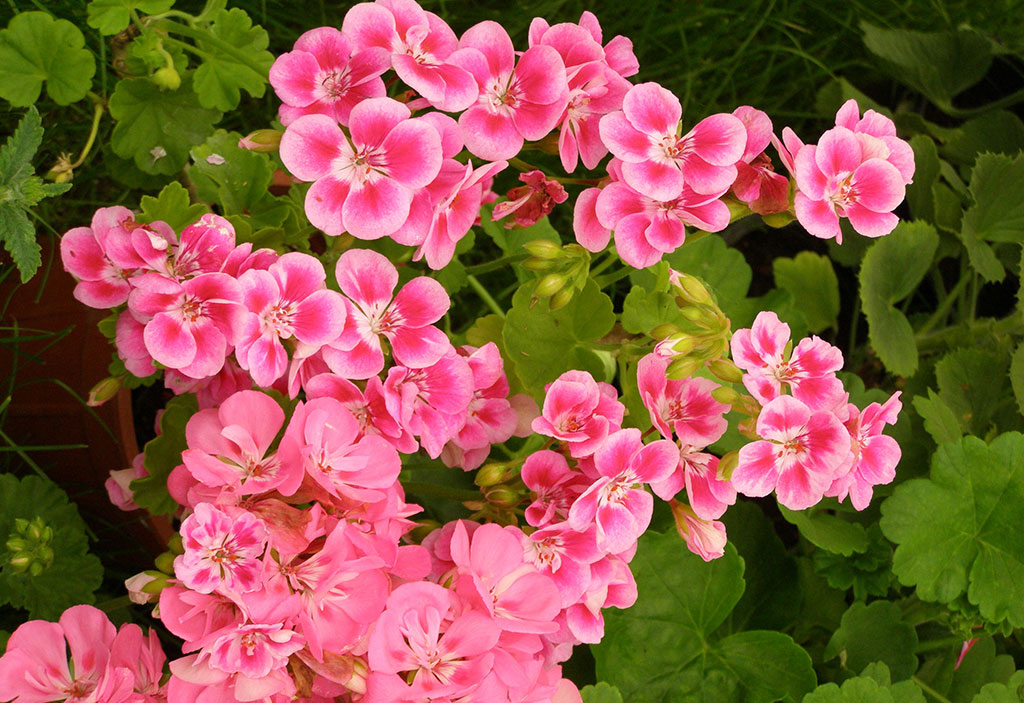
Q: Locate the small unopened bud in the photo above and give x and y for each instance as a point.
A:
(165, 562)
(263, 141)
(560, 299)
(21, 525)
(692, 314)
(44, 555)
(157, 583)
(691, 289)
(36, 568)
(549, 284)
(492, 475)
(135, 585)
(175, 545)
(16, 544)
(724, 394)
(682, 368)
(20, 563)
(503, 497)
(167, 78)
(666, 329)
(778, 219)
(535, 264)
(357, 682)
(727, 464)
(103, 391)
(726, 370)
(544, 249)
(60, 173)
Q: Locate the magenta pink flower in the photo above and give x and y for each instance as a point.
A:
(565, 555)
(705, 538)
(490, 418)
(228, 447)
(205, 246)
(368, 407)
(430, 402)
(35, 667)
(554, 485)
(101, 283)
(325, 440)
(697, 472)
(683, 407)
(193, 679)
(530, 202)
(656, 160)
(808, 373)
(618, 53)
(419, 44)
(875, 455)
(877, 126)
(802, 452)
(253, 650)
(424, 635)
(518, 101)
(616, 501)
(222, 552)
(580, 412)
(368, 280)
(325, 74)
(757, 184)
(287, 300)
(364, 181)
(119, 484)
(129, 339)
(144, 657)
(189, 326)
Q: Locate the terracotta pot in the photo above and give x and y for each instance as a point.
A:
(41, 412)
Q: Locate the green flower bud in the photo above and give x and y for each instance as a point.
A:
(103, 391)
(165, 562)
(175, 545)
(666, 329)
(560, 299)
(17, 544)
(682, 368)
(262, 141)
(535, 264)
(21, 525)
(36, 568)
(544, 249)
(44, 555)
(158, 583)
(778, 219)
(549, 284)
(726, 370)
(20, 563)
(167, 78)
(492, 474)
(504, 497)
(724, 394)
(727, 465)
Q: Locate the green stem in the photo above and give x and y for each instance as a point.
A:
(24, 457)
(941, 643)
(522, 165)
(202, 35)
(174, 13)
(943, 308)
(485, 296)
(97, 113)
(608, 279)
(608, 261)
(432, 489)
(929, 690)
(967, 333)
(964, 113)
(496, 264)
(42, 447)
(114, 604)
(205, 56)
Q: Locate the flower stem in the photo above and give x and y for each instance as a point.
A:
(485, 296)
(432, 489)
(929, 690)
(608, 279)
(202, 35)
(97, 113)
(496, 264)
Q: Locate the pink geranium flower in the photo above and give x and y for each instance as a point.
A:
(325, 74)
(808, 372)
(419, 44)
(580, 412)
(222, 552)
(368, 407)
(684, 408)
(705, 538)
(530, 202)
(555, 487)
(616, 501)
(757, 184)
(875, 455)
(364, 181)
(802, 452)
(656, 160)
(709, 494)
(368, 281)
(253, 650)
(101, 282)
(518, 101)
(287, 300)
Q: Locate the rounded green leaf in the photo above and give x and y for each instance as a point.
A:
(111, 16)
(875, 633)
(959, 532)
(36, 48)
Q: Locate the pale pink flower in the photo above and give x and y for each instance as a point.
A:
(617, 501)
(530, 202)
(801, 453)
(367, 406)
(144, 658)
(808, 372)
(579, 411)
(364, 182)
(683, 407)
(326, 74)
(757, 184)
(118, 486)
(565, 555)
(611, 586)
(193, 679)
(229, 447)
(494, 574)
(555, 487)
(590, 233)
(875, 455)
(419, 43)
(368, 281)
(439, 647)
(878, 126)
(697, 472)
(705, 538)
(222, 551)
(287, 300)
(253, 650)
(35, 666)
(189, 326)
(197, 618)
(656, 160)
(130, 342)
(101, 283)
(518, 101)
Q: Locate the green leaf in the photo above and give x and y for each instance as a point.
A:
(876, 632)
(601, 693)
(111, 16)
(997, 131)
(662, 648)
(890, 271)
(938, 64)
(237, 179)
(35, 48)
(1017, 376)
(868, 573)
(163, 453)
(156, 128)
(970, 383)
(544, 344)
(997, 186)
(980, 666)
(237, 59)
(977, 546)
(828, 531)
(871, 687)
(939, 419)
(722, 268)
(771, 597)
(72, 576)
(172, 206)
(642, 311)
(1010, 692)
(920, 193)
(20, 190)
(812, 281)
